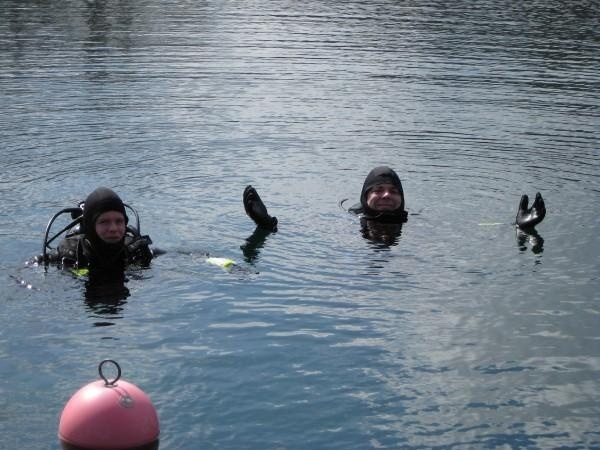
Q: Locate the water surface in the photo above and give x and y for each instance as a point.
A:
(462, 334)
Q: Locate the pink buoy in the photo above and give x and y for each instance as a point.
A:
(106, 415)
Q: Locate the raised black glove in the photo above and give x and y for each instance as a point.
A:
(529, 218)
(257, 210)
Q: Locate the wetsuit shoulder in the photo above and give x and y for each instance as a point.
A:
(71, 251)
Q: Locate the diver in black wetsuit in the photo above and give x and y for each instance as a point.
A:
(382, 197)
(99, 238)
(381, 207)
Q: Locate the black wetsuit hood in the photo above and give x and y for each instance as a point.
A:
(103, 255)
(381, 175)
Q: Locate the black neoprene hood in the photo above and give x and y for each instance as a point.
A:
(380, 175)
(100, 201)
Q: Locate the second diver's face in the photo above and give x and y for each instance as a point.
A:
(110, 226)
(384, 197)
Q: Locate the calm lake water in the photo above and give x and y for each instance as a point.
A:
(460, 335)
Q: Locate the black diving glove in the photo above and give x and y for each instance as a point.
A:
(529, 218)
(257, 210)
(139, 250)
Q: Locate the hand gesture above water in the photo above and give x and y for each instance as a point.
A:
(529, 218)
(257, 210)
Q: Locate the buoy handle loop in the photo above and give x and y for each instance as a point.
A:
(109, 383)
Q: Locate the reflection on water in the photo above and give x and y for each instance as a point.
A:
(381, 233)
(531, 237)
(440, 333)
(105, 300)
(254, 244)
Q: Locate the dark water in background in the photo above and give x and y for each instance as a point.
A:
(461, 335)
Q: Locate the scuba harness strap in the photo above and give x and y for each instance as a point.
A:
(75, 214)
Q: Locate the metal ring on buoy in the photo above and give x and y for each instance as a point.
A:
(109, 383)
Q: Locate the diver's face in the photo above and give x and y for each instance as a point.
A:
(110, 226)
(384, 197)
